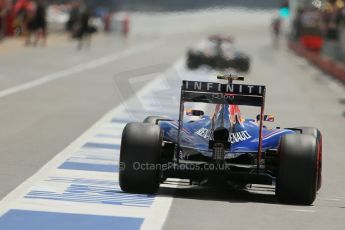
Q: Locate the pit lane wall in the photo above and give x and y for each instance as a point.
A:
(326, 64)
(323, 43)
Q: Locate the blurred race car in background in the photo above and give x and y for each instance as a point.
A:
(219, 53)
(223, 147)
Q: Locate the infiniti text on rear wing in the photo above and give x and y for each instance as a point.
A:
(217, 93)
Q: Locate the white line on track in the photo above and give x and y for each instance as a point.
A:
(156, 214)
(78, 69)
(303, 210)
(333, 199)
(22, 190)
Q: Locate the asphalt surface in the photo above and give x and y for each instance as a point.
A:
(298, 95)
(38, 120)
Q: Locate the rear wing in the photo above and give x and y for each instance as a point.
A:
(217, 93)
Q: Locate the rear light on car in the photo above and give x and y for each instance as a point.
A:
(218, 152)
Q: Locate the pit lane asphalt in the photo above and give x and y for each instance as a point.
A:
(39, 122)
(298, 95)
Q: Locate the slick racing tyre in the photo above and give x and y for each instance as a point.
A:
(153, 119)
(140, 155)
(317, 134)
(194, 60)
(297, 169)
(242, 64)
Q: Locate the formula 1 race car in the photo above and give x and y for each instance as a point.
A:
(219, 54)
(223, 147)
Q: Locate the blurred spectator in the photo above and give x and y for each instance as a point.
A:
(73, 16)
(37, 24)
(342, 29)
(3, 12)
(276, 26)
(332, 14)
(82, 29)
(107, 22)
(332, 17)
(297, 24)
(311, 31)
(9, 15)
(322, 27)
(22, 16)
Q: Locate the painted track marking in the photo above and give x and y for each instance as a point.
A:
(77, 69)
(82, 180)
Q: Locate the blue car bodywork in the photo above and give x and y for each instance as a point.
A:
(243, 139)
(223, 147)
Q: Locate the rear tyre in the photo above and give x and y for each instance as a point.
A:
(242, 64)
(194, 60)
(317, 134)
(140, 151)
(297, 169)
